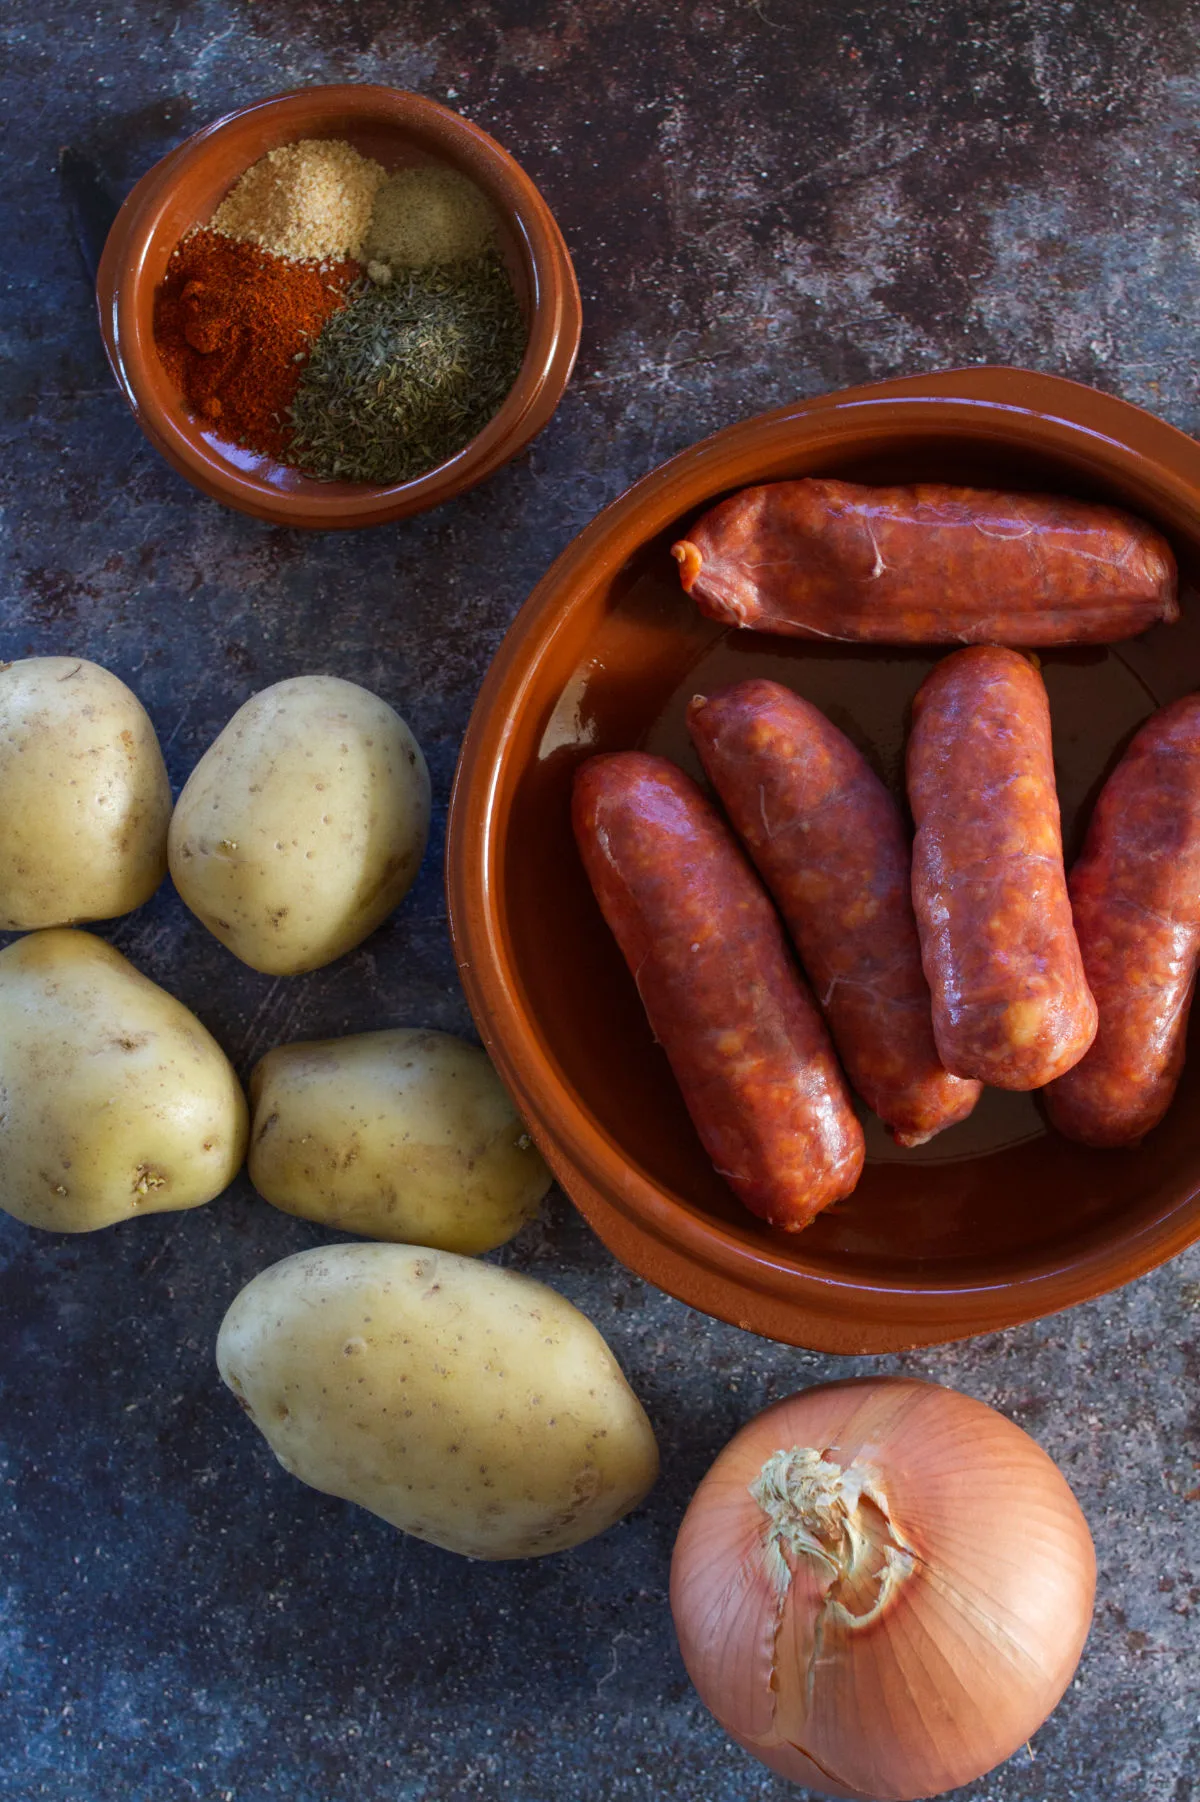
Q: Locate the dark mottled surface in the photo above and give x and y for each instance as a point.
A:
(763, 200)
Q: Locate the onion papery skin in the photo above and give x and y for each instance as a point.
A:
(983, 1616)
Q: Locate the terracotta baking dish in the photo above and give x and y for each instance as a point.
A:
(397, 128)
(998, 1220)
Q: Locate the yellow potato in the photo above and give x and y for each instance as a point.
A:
(468, 1405)
(303, 825)
(114, 1100)
(84, 795)
(405, 1135)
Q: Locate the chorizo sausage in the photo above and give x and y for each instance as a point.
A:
(1011, 1004)
(927, 565)
(721, 990)
(1136, 894)
(828, 840)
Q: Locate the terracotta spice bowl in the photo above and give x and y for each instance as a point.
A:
(996, 1221)
(397, 128)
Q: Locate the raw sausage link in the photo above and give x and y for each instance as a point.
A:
(718, 983)
(1136, 895)
(1011, 1004)
(830, 845)
(927, 565)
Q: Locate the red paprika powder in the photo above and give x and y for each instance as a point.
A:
(233, 325)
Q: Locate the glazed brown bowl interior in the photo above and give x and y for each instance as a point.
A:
(398, 129)
(994, 1221)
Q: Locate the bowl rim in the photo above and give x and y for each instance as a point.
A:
(555, 309)
(690, 1256)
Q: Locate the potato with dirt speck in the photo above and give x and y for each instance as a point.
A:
(114, 1100)
(303, 825)
(84, 795)
(470, 1406)
(407, 1135)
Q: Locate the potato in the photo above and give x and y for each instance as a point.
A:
(404, 1135)
(84, 795)
(303, 825)
(114, 1100)
(468, 1405)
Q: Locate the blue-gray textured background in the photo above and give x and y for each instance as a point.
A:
(763, 200)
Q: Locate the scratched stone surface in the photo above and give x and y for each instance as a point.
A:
(763, 201)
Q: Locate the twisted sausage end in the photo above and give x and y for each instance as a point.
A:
(690, 562)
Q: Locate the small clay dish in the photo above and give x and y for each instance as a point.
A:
(996, 1221)
(398, 129)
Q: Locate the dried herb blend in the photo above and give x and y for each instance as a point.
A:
(407, 374)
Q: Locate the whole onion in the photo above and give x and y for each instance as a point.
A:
(882, 1588)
